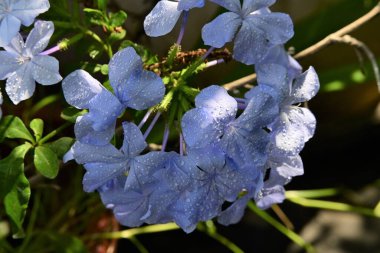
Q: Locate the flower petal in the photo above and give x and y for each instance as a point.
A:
(221, 30)
(9, 27)
(39, 36)
(98, 174)
(277, 27)
(8, 64)
(305, 87)
(199, 128)
(79, 88)
(134, 142)
(27, 10)
(185, 5)
(250, 44)
(162, 18)
(85, 133)
(20, 85)
(45, 70)
(216, 101)
(136, 88)
(254, 5)
(108, 154)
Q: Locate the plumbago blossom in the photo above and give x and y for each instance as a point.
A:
(1, 102)
(231, 150)
(254, 29)
(22, 63)
(13, 13)
(134, 88)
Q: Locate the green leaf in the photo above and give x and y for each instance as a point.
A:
(95, 17)
(11, 168)
(16, 203)
(46, 161)
(13, 127)
(60, 146)
(71, 114)
(118, 18)
(37, 125)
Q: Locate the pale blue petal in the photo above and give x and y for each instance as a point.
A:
(199, 128)
(20, 85)
(104, 116)
(9, 27)
(235, 212)
(162, 18)
(262, 110)
(278, 55)
(16, 45)
(8, 64)
(98, 174)
(185, 5)
(87, 135)
(231, 5)
(107, 154)
(250, 45)
(273, 79)
(1, 102)
(79, 88)
(45, 70)
(136, 88)
(216, 101)
(254, 5)
(269, 196)
(27, 10)
(39, 36)
(285, 167)
(221, 30)
(305, 87)
(121, 67)
(292, 130)
(277, 28)
(134, 142)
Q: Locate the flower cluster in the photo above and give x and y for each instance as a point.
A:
(231, 149)
(24, 63)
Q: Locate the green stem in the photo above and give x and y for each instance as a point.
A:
(96, 37)
(138, 245)
(335, 206)
(44, 102)
(54, 133)
(317, 193)
(210, 230)
(127, 234)
(289, 233)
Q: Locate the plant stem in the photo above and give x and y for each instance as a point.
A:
(335, 206)
(289, 233)
(127, 234)
(54, 133)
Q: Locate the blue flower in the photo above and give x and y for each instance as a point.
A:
(254, 29)
(290, 130)
(13, 13)
(22, 65)
(104, 163)
(165, 14)
(214, 122)
(134, 87)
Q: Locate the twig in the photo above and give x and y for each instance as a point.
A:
(362, 49)
(316, 47)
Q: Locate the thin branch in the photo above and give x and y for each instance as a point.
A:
(363, 49)
(316, 47)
